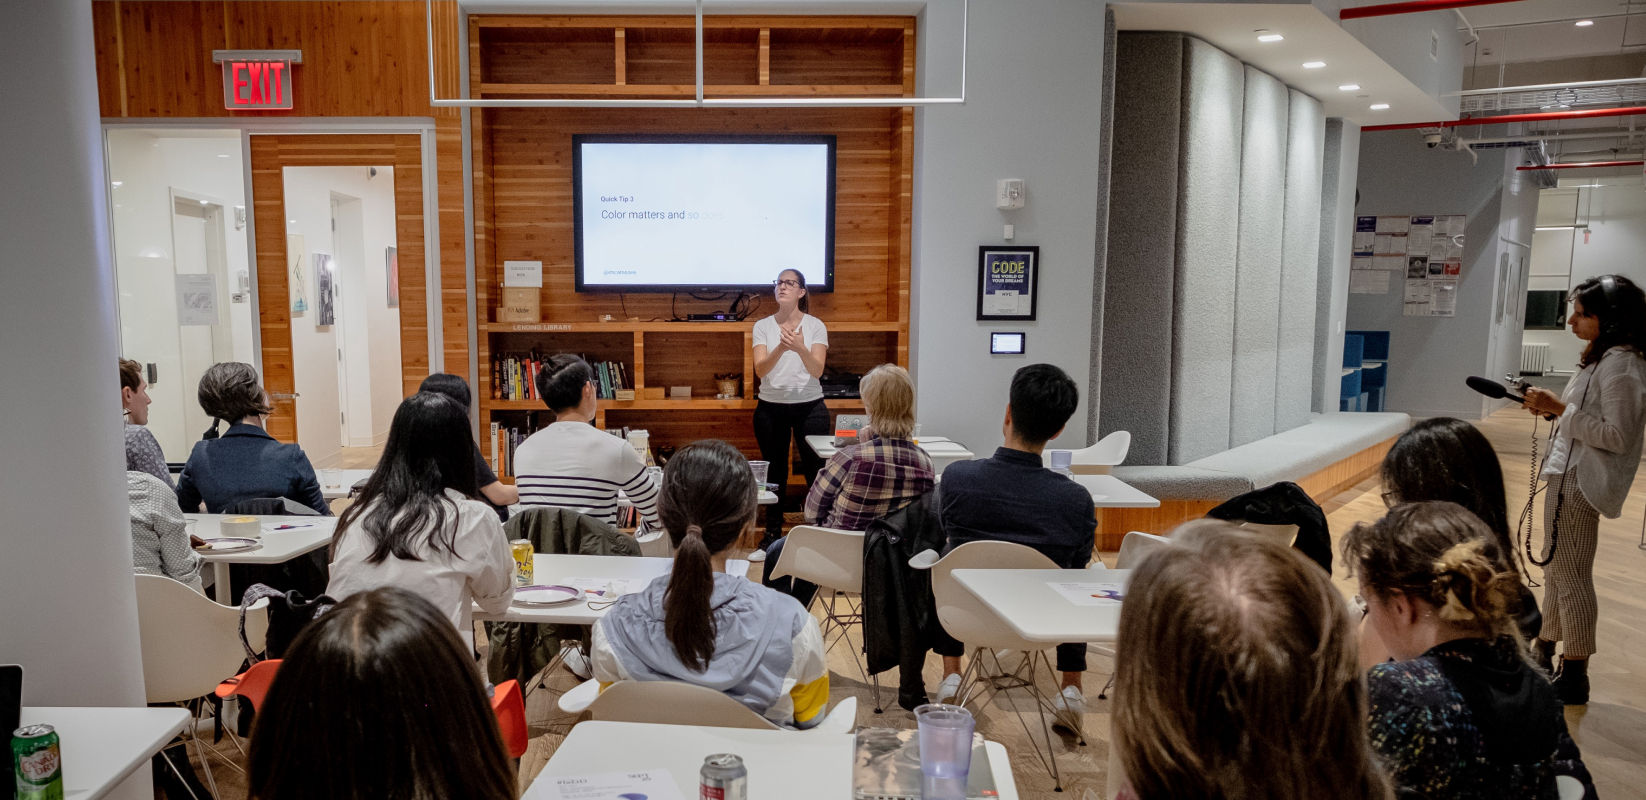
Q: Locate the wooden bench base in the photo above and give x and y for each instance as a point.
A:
(1114, 523)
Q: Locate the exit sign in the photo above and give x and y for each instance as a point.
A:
(257, 80)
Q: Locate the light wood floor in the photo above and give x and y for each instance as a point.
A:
(1611, 730)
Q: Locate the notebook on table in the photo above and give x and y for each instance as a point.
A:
(886, 766)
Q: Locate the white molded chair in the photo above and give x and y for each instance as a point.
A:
(969, 620)
(832, 559)
(1570, 788)
(678, 703)
(1133, 548)
(1110, 451)
(190, 644)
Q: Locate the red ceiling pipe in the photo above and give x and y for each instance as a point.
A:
(1586, 165)
(1541, 116)
(1413, 7)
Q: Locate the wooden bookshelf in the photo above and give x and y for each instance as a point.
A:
(523, 201)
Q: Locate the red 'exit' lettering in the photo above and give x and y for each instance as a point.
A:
(257, 83)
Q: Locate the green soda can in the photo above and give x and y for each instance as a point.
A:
(39, 763)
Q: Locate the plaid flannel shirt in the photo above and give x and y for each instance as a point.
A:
(866, 481)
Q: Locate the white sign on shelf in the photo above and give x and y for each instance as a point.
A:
(523, 274)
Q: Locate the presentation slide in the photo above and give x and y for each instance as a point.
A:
(703, 214)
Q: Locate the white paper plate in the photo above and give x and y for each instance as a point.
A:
(227, 544)
(545, 595)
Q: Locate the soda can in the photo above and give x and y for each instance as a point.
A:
(523, 552)
(723, 777)
(39, 760)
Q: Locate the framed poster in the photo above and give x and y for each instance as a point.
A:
(323, 278)
(391, 265)
(1008, 282)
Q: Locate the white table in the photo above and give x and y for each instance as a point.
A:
(794, 765)
(941, 450)
(1036, 611)
(1111, 492)
(548, 570)
(335, 484)
(102, 746)
(279, 546)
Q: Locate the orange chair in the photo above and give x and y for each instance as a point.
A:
(510, 706)
(252, 684)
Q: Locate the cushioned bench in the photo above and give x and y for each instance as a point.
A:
(1331, 453)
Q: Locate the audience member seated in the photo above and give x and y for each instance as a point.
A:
(496, 493)
(142, 450)
(1013, 497)
(416, 524)
(245, 462)
(378, 698)
(160, 541)
(1461, 713)
(882, 473)
(1237, 676)
(571, 463)
(698, 624)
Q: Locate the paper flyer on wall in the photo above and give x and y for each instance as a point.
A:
(1417, 267)
(1419, 235)
(1394, 224)
(1369, 281)
(1365, 236)
(1416, 303)
(1443, 298)
(196, 299)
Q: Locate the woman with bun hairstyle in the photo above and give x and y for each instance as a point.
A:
(244, 462)
(1461, 712)
(702, 626)
(790, 347)
(1442, 458)
(1590, 466)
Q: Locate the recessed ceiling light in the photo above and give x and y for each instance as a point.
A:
(1380, 106)
(1584, 23)
(1314, 64)
(1349, 87)
(292, 221)
(115, 183)
(1271, 37)
(204, 203)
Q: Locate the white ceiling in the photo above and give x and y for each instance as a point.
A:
(1310, 36)
(1541, 30)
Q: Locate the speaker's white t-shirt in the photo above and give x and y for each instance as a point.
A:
(789, 382)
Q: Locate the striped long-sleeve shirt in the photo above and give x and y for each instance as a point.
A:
(578, 466)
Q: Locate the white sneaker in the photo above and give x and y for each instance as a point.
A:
(572, 656)
(757, 556)
(949, 688)
(1069, 705)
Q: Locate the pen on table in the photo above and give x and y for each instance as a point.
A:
(292, 527)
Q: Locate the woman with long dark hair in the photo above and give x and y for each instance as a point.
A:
(378, 698)
(243, 462)
(416, 524)
(790, 348)
(1590, 466)
(496, 493)
(1460, 713)
(1448, 459)
(700, 625)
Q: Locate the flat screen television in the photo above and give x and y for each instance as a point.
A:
(1545, 310)
(676, 213)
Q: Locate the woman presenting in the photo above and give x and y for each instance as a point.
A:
(1597, 446)
(789, 349)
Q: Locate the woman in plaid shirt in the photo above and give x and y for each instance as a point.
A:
(880, 474)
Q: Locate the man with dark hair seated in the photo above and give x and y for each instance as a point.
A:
(1012, 497)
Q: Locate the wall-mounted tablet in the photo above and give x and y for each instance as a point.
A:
(1007, 343)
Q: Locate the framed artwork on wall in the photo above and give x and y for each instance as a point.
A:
(326, 310)
(1008, 282)
(391, 263)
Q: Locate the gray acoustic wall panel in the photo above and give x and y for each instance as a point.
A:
(1258, 255)
(1105, 166)
(1136, 388)
(1300, 265)
(1207, 231)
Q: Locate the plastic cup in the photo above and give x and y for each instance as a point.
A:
(1061, 459)
(945, 733)
(759, 468)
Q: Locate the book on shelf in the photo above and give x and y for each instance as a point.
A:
(514, 376)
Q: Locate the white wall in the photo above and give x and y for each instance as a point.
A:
(368, 331)
(145, 166)
(1032, 112)
(1616, 240)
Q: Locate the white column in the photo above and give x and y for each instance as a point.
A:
(67, 604)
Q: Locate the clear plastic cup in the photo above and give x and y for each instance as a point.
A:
(945, 733)
(759, 468)
(1061, 459)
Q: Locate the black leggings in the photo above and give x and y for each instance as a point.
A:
(774, 425)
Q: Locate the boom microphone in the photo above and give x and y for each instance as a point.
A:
(1496, 391)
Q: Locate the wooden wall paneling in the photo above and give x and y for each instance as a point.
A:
(692, 359)
(165, 49)
(680, 428)
(639, 365)
(620, 51)
(548, 55)
(111, 73)
(668, 56)
(453, 252)
(844, 56)
(273, 293)
(765, 76)
(413, 255)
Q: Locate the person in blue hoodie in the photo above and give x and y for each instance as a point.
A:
(699, 625)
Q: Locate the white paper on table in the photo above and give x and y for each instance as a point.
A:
(196, 299)
(610, 588)
(1090, 593)
(1004, 301)
(1368, 281)
(651, 784)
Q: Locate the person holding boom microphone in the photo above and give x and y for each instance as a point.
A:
(1590, 466)
(790, 347)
